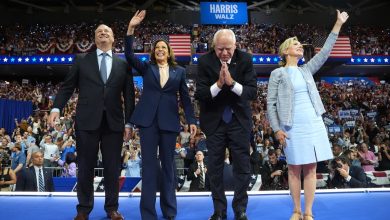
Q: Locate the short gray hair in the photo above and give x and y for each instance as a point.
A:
(227, 32)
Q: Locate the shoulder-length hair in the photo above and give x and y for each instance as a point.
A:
(284, 46)
(171, 55)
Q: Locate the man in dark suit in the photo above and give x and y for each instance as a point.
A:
(343, 175)
(102, 79)
(226, 83)
(197, 174)
(35, 178)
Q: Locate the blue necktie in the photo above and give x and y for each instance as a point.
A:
(227, 114)
(103, 68)
(41, 185)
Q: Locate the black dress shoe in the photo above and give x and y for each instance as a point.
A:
(240, 216)
(218, 216)
(81, 216)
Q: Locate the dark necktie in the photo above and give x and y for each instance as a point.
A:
(41, 185)
(103, 68)
(201, 176)
(227, 114)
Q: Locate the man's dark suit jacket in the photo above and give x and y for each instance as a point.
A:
(194, 186)
(358, 179)
(211, 109)
(27, 180)
(95, 96)
(156, 102)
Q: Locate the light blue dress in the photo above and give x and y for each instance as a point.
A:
(307, 140)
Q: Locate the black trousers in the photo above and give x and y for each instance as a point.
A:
(230, 135)
(88, 143)
(153, 138)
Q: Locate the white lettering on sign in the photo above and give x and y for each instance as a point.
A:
(225, 9)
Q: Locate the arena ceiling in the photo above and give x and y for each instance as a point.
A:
(166, 6)
(268, 6)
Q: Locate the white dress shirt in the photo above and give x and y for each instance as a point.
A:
(237, 88)
(108, 60)
(37, 176)
(108, 65)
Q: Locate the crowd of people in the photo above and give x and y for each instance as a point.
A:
(21, 39)
(364, 137)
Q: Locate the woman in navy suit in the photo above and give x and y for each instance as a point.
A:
(157, 116)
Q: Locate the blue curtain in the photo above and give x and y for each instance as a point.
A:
(11, 109)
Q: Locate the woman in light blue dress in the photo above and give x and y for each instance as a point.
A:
(294, 109)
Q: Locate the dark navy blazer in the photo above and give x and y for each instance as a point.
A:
(156, 102)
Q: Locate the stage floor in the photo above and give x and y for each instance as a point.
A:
(360, 204)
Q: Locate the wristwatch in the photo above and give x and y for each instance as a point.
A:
(232, 85)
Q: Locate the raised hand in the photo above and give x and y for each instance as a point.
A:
(135, 21)
(137, 18)
(53, 117)
(342, 17)
(193, 129)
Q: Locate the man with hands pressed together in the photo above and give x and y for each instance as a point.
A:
(225, 86)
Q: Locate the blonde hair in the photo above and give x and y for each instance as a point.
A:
(284, 46)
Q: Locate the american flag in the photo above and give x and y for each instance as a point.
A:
(180, 43)
(341, 49)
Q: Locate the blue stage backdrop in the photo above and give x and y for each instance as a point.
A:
(11, 109)
(223, 13)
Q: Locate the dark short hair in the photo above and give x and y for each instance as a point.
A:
(271, 152)
(343, 159)
(336, 145)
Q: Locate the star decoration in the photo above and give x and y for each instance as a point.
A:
(268, 59)
(5, 59)
(195, 59)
